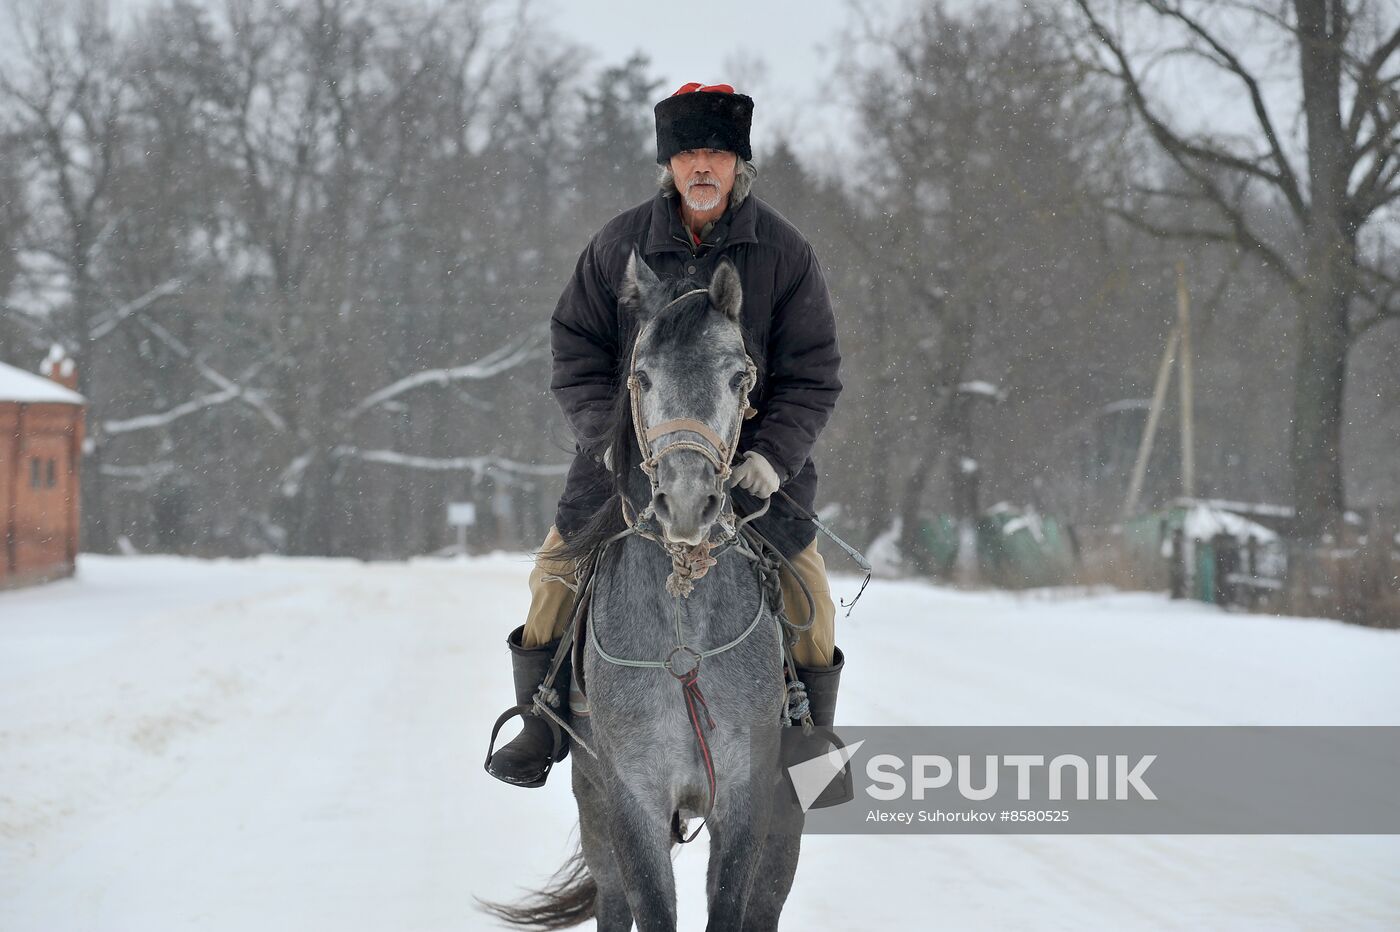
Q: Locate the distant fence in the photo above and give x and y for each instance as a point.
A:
(1355, 579)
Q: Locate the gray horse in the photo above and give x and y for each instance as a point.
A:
(645, 770)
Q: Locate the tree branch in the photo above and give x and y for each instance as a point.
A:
(506, 356)
(162, 418)
(1383, 191)
(1287, 181)
(109, 321)
(1380, 317)
(1136, 221)
(253, 399)
(1368, 92)
(1176, 145)
(479, 465)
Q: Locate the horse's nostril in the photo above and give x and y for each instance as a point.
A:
(711, 508)
(659, 504)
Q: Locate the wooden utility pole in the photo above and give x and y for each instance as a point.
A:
(1188, 417)
(1180, 337)
(1154, 414)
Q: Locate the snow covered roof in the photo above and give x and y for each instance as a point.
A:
(1126, 404)
(980, 387)
(1202, 522)
(1260, 509)
(18, 385)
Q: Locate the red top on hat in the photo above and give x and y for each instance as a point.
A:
(697, 86)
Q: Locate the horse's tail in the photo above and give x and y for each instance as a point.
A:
(565, 902)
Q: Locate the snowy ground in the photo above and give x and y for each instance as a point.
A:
(278, 744)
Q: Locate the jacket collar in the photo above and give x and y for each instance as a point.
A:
(667, 234)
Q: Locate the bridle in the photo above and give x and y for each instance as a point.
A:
(719, 452)
(688, 562)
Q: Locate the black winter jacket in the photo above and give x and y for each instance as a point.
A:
(789, 327)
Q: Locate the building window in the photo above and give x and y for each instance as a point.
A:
(34, 473)
(51, 475)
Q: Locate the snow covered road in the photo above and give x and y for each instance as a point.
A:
(296, 744)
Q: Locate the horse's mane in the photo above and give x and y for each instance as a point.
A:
(680, 324)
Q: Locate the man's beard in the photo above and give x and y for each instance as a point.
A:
(696, 200)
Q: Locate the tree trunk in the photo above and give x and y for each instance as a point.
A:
(879, 461)
(911, 544)
(312, 533)
(1329, 275)
(963, 481)
(955, 345)
(97, 523)
(1320, 380)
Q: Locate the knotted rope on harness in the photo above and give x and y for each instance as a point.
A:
(687, 565)
(688, 562)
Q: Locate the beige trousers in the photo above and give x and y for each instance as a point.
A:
(552, 596)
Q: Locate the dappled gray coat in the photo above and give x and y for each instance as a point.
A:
(789, 329)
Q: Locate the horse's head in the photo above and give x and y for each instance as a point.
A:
(689, 380)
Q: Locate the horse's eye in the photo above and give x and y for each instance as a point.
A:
(643, 380)
(737, 382)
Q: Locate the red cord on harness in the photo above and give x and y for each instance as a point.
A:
(694, 702)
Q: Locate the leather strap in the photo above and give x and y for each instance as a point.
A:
(690, 424)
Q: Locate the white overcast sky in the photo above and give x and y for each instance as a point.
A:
(784, 54)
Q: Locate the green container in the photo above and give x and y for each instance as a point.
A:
(940, 540)
(1015, 548)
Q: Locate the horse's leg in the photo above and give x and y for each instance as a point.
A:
(736, 826)
(640, 830)
(610, 907)
(780, 845)
(776, 870)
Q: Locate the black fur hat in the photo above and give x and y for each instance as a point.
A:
(699, 118)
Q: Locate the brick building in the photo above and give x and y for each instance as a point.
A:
(41, 437)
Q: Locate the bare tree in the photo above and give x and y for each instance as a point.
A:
(983, 138)
(1334, 182)
(279, 225)
(16, 332)
(68, 90)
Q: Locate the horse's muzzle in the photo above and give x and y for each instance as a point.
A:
(688, 498)
(686, 518)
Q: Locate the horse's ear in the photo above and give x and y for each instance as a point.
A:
(726, 292)
(639, 283)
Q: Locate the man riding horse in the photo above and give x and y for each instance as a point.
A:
(703, 212)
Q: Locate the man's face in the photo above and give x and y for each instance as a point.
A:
(704, 177)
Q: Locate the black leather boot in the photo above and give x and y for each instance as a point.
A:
(527, 759)
(822, 684)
